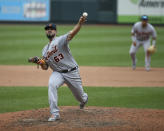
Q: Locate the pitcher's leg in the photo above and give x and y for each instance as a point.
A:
(55, 81)
(74, 82)
(77, 90)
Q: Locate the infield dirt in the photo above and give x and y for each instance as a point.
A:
(91, 118)
(91, 76)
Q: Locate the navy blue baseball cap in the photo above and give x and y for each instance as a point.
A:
(50, 26)
(144, 17)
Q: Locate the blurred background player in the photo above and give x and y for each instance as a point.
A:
(142, 32)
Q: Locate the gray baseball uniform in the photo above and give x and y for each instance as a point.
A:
(142, 36)
(65, 70)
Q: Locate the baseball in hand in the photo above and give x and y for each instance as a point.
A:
(85, 14)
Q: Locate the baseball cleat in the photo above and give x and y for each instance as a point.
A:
(83, 104)
(133, 66)
(54, 118)
(147, 68)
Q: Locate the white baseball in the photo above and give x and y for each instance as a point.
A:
(85, 14)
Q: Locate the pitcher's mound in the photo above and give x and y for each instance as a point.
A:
(88, 119)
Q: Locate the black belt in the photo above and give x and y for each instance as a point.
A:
(65, 71)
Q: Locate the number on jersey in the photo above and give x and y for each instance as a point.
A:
(59, 57)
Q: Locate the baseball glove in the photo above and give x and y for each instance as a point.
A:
(151, 49)
(36, 60)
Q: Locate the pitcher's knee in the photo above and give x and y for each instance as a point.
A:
(52, 85)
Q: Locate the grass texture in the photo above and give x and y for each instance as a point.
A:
(94, 45)
(24, 98)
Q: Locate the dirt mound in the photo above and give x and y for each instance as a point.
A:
(89, 119)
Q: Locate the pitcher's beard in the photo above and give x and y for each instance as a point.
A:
(50, 36)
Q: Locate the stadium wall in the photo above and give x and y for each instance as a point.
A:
(68, 11)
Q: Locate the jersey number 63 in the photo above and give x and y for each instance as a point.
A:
(59, 57)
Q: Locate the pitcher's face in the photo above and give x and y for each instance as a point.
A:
(50, 33)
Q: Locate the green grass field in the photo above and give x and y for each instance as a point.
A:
(25, 98)
(94, 45)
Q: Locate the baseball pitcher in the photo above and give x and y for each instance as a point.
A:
(141, 36)
(56, 55)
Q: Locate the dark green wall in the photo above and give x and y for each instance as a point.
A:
(67, 11)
